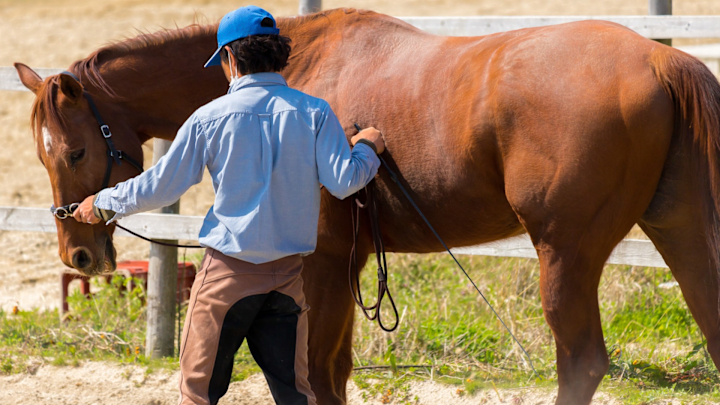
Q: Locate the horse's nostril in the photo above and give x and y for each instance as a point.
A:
(81, 259)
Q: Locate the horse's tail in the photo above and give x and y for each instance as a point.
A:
(696, 94)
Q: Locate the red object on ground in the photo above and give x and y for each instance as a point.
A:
(131, 268)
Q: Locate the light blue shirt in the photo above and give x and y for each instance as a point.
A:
(268, 148)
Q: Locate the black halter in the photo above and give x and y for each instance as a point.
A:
(113, 154)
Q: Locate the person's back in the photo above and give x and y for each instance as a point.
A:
(268, 149)
(272, 161)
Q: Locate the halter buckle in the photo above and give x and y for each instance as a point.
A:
(105, 130)
(64, 212)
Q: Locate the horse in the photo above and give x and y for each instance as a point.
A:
(571, 133)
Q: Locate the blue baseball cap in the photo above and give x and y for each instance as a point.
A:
(241, 23)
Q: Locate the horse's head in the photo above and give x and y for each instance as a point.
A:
(70, 145)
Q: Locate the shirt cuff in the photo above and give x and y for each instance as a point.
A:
(361, 147)
(368, 143)
(104, 201)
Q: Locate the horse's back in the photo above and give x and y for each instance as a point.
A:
(493, 120)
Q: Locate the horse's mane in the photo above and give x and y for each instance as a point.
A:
(88, 70)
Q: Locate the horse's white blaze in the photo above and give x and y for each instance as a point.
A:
(47, 139)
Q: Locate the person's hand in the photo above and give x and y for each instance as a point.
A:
(84, 212)
(372, 135)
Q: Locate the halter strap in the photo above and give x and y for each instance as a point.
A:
(114, 155)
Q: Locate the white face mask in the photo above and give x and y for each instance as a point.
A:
(233, 75)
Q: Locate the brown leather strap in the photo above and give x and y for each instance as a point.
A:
(370, 206)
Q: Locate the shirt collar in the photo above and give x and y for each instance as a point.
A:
(257, 79)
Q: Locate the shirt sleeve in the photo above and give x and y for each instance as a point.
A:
(342, 171)
(164, 183)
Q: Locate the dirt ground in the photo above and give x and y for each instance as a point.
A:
(54, 33)
(107, 384)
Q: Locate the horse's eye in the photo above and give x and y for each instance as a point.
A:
(77, 156)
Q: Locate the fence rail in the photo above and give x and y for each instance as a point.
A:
(675, 26)
(632, 252)
(9, 79)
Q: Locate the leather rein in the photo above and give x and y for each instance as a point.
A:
(370, 206)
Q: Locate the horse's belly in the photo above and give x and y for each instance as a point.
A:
(466, 212)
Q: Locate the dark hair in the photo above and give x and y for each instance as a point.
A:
(260, 53)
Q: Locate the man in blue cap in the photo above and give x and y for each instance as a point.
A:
(268, 148)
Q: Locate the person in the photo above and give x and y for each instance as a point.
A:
(268, 148)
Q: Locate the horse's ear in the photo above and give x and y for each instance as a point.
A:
(28, 77)
(70, 88)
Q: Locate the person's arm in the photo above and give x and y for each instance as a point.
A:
(161, 185)
(342, 171)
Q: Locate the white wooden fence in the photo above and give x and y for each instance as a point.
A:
(161, 226)
(648, 26)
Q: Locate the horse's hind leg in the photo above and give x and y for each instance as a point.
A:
(686, 253)
(576, 212)
(675, 224)
(572, 255)
(569, 278)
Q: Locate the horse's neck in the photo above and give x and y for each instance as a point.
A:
(158, 88)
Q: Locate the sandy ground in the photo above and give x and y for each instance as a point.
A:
(54, 33)
(106, 384)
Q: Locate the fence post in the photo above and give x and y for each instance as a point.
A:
(309, 6)
(661, 7)
(162, 284)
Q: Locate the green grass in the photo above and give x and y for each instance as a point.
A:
(656, 350)
(110, 326)
(447, 333)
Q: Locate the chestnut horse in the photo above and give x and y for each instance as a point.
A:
(572, 133)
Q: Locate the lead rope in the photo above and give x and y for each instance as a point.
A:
(155, 241)
(395, 180)
(67, 211)
(354, 273)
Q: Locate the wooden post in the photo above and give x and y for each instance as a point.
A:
(309, 6)
(661, 7)
(162, 284)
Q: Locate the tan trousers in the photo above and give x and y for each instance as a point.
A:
(231, 301)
